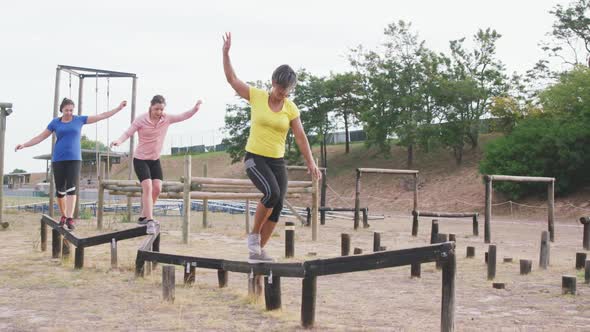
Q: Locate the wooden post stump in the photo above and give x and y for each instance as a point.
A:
(492, 262)
(65, 249)
(441, 238)
(43, 231)
(345, 244)
(499, 285)
(544, 255)
(507, 259)
(414, 223)
(376, 241)
(448, 294)
(114, 262)
(526, 266)
(470, 252)
(272, 292)
(357, 251)
(568, 285)
(434, 231)
(222, 278)
(416, 269)
(586, 236)
(189, 274)
(55, 244)
(308, 297)
(168, 283)
(289, 239)
(475, 226)
(79, 259)
(587, 272)
(452, 237)
(580, 260)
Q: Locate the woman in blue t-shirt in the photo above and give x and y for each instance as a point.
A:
(67, 154)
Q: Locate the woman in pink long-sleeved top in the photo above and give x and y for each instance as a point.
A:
(151, 128)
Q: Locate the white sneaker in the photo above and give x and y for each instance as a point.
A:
(266, 256)
(254, 244)
(259, 258)
(152, 227)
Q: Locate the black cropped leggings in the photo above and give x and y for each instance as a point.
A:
(269, 175)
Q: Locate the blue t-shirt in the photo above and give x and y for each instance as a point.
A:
(67, 146)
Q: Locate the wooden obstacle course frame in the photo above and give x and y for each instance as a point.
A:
(80, 243)
(417, 214)
(357, 195)
(219, 188)
(310, 270)
(489, 179)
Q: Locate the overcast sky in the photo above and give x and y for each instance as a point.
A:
(175, 49)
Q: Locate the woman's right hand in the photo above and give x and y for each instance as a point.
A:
(226, 43)
(19, 147)
(115, 143)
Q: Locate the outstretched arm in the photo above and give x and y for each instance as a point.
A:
(35, 140)
(186, 115)
(128, 133)
(303, 145)
(241, 88)
(95, 118)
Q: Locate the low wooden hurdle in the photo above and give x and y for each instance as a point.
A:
(309, 271)
(58, 232)
(324, 209)
(357, 197)
(205, 188)
(489, 179)
(417, 214)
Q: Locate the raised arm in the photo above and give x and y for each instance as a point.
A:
(35, 140)
(95, 118)
(303, 145)
(186, 115)
(241, 88)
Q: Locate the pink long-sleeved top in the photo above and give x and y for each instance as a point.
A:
(151, 137)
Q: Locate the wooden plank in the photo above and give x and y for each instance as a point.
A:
(445, 214)
(107, 237)
(202, 263)
(242, 182)
(387, 171)
(62, 231)
(513, 178)
(379, 260)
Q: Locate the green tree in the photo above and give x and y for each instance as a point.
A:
(88, 144)
(571, 33)
(18, 170)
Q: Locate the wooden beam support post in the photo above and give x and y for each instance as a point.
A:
(308, 300)
(448, 293)
(357, 199)
(186, 207)
(168, 283)
(272, 292)
(488, 209)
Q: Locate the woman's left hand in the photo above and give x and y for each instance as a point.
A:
(314, 171)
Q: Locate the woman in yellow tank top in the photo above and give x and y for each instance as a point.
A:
(271, 116)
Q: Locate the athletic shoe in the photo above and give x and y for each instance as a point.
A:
(266, 256)
(70, 224)
(142, 221)
(62, 221)
(254, 244)
(152, 227)
(259, 258)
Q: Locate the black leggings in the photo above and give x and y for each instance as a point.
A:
(148, 169)
(269, 175)
(66, 174)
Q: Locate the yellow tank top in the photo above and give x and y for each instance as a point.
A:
(268, 129)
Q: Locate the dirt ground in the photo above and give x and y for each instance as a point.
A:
(38, 293)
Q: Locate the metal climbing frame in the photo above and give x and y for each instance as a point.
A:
(83, 73)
